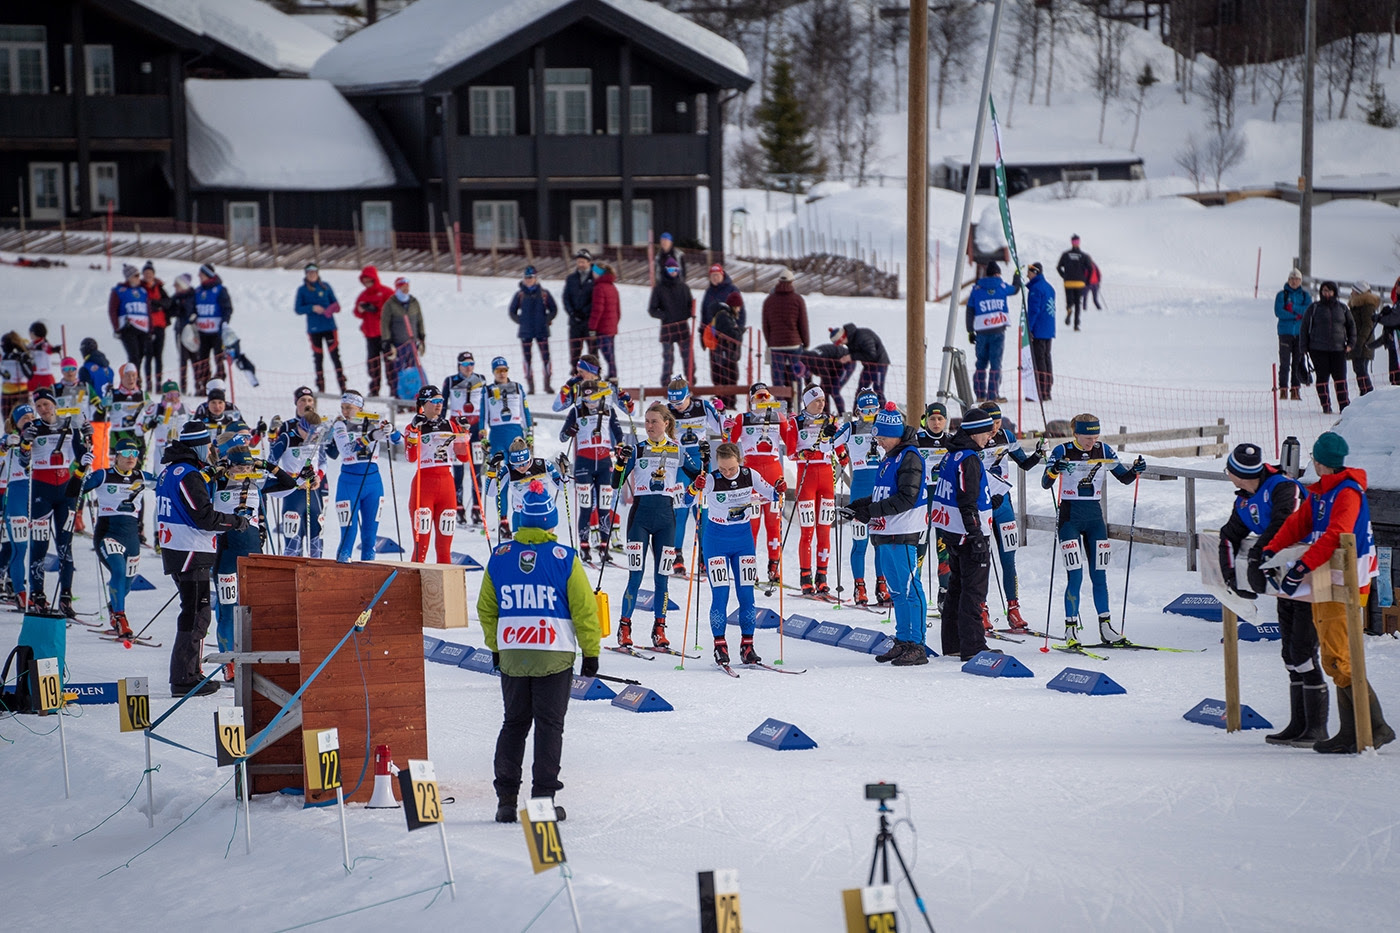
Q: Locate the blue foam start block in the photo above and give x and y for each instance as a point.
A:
(763, 618)
(93, 694)
(466, 560)
(383, 545)
(646, 601)
(450, 653)
(1092, 683)
(991, 664)
(828, 633)
(1264, 631)
(1212, 713)
(781, 736)
(140, 583)
(430, 644)
(479, 661)
(590, 688)
(642, 700)
(1196, 605)
(885, 644)
(797, 626)
(862, 640)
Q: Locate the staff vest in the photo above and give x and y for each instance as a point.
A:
(177, 529)
(532, 596)
(912, 521)
(945, 513)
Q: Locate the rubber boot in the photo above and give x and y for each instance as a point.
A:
(1381, 732)
(1296, 719)
(1344, 742)
(1324, 396)
(1314, 715)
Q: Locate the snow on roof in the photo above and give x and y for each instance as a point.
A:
(1054, 157)
(279, 134)
(1376, 181)
(256, 29)
(431, 36)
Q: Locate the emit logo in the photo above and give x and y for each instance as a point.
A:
(939, 517)
(540, 633)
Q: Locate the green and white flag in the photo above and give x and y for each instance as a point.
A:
(1026, 369)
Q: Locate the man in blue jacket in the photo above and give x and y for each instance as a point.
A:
(533, 308)
(987, 317)
(316, 301)
(1290, 304)
(1040, 319)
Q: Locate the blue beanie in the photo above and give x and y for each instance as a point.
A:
(19, 412)
(1088, 427)
(529, 272)
(537, 508)
(499, 363)
(889, 422)
(976, 421)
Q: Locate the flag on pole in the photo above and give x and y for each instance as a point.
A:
(1026, 368)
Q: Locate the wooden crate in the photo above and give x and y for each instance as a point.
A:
(1390, 616)
(444, 589)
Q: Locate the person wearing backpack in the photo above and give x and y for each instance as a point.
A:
(401, 328)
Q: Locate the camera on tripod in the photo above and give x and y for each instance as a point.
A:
(885, 844)
(881, 791)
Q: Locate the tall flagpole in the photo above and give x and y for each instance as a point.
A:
(916, 226)
(974, 165)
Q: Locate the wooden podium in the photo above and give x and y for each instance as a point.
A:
(297, 609)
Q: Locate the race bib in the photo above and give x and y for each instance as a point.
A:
(70, 520)
(827, 513)
(19, 529)
(112, 547)
(342, 512)
(447, 524)
(605, 498)
(228, 589)
(131, 564)
(633, 550)
(1010, 536)
(748, 570)
(39, 529)
(755, 510)
(585, 498)
(379, 510)
(860, 531)
(807, 514)
(291, 524)
(1072, 555)
(423, 521)
(719, 571)
(1103, 553)
(668, 560)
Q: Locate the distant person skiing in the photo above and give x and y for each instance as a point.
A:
(1074, 268)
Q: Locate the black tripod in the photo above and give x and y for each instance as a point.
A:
(884, 842)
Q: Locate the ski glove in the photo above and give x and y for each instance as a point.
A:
(1255, 574)
(1294, 578)
(1057, 467)
(240, 523)
(997, 500)
(699, 483)
(571, 429)
(971, 337)
(859, 510)
(780, 487)
(307, 473)
(624, 453)
(589, 668)
(828, 430)
(1139, 465)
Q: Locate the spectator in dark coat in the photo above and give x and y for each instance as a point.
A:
(401, 328)
(1290, 304)
(369, 308)
(716, 298)
(862, 345)
(160, 305)
(533, 308)
(1364, 304)
(828, 364)
(578, 303)
(180, 313)
(784, 327)
(1328, 334)
(671, 303)
(1040, 320)
(667, 250)
(605, 314)
(1074, 267)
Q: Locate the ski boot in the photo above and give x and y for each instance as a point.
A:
(38, 601)
(747, 654)
(228, 673)
(912, 655)
(882, 592)
(476, 516)
(65, 605)
(1107, 634)
(772, 573)
(604, 555)
(721, 651)
(505, 534)
(806, 580)
(21, 601)
(586, 553)
(1072, 628)
(120, 626)
(942, 600)
(461, 516)
(658, 634)
(678, 568)
(820, 581)
(986, 619)
(860, 598)
(1013, 615)
(624, 632)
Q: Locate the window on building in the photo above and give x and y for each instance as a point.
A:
(641, 221)
(243, 223)
(587, 223)
(568, 101)
(641, 110)
(494, 223)
(45, 190)
(101, 71)
(377, 222)
(1079, 174)
(24, 60)
(492, 111)
(102, 182)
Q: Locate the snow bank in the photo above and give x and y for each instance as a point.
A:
(281, 42)
(253, 134)
(1370, 427)
(433, 35)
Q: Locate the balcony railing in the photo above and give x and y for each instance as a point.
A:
(50, 116)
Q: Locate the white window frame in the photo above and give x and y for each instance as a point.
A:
(257, 222)
(1079, 174)
(504, 233)
(641, 110)
(382, 239)
(556, 96)
(45, 213)
(495, 105)
(13, 47)
(95, 169)
(93, 90)
(577, 234)
(641, 223)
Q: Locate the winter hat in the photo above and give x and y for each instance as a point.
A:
(125, 368)
(428, 394)
(598, 270)
(44, 393)
(716, 267)
(976, 421)
(19, 412)
(1088, 426)
(499, 363)
(207, 270)
(787, 275)
(216, 395)
(149, 265)
(400, 282)
(838, 335)
(194, 434)
(537, 508)
(935, 408)
(1245, 461)
(1295, 273)
(183, 280)
(1328, 284)
(1035, 268)
(126, 447)
(992, 409)
(813, 394)
(529, 272)
(672, 267)
(129, 270)
(667, 236)
(1074, 238)
(889, 422)
(993, 269)
(222, 386)
(88, 347)
(169, 385)
(1330, 449)
(734, 299)
(1361, 287)
(758, 387)
(68, 363)
(311, 267)
(299, 394)
(466, 357)
(351, 397)
(584, 254)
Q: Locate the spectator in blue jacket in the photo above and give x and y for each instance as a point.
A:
(1290, 304)
(987, 318)
(316, 301)
(533, 308)
(1040, 320)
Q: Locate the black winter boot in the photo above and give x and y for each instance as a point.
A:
(1315, 716)
(506, 810)
(1344, 742)
(1296, 717)
(1381, 732)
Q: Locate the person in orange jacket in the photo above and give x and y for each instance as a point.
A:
(1337, 506)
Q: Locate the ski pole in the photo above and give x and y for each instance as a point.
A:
(157, 615)
(394, 494)
(618, 680)
(689, 589)
(1054, 559)
(1128, 575)
(476, 489)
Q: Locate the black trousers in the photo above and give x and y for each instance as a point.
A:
(578, 343)
(967, 591)
(1290, 362)
(1361, 366)
(1299, 642)
(1074, 303)
(872, 376)
(1044, 368)
(136, 343)
(327, 341)
(155, 359)
(192, 624)
(541, 702)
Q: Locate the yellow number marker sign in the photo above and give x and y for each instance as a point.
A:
(229, 743)
(719, 901)
(420, 791)
(322, 748)
(134, 703)
(542, 834)
(870, 910)
(50, 689)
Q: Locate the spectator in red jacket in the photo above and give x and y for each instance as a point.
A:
(785, 327)
(368, 308)
(605, 314)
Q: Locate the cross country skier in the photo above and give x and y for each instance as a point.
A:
(727, 542)
(758, 432)
(511, 473)
(162, 418)
(429, 441)
(504, 409)
(114, 537)
(1079, 467)
(127, 405)
(932, 440)
(1005, 444)
(19, 440)
(586, 368)
(659, 470)
(461, 391)
(814, 439)
(864, 454)
(60, 458)
(302, 441)
(592, 426)
(961, 510)
(696, 421)
(359, 489)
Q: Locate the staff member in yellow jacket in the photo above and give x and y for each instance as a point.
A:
(537, 610)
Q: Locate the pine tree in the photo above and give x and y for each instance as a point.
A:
(1379, 111)
(784, 131)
